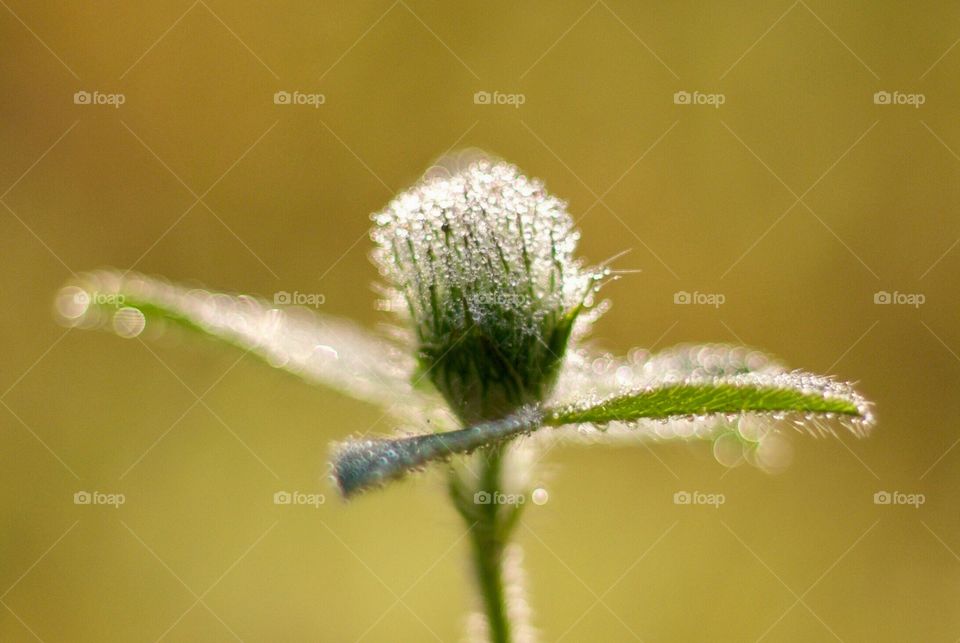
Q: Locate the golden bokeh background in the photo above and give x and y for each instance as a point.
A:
(798, 199)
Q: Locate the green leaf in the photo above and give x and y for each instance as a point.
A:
(809, 397)
(588, 372)
(317, 347)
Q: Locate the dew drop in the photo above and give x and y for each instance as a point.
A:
(128, 322)
(72, 302)
(728, 450)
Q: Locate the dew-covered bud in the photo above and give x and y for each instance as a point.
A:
(482, 262)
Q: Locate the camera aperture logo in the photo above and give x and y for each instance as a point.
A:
(83, 97)
(884, 298)
(899, 498)
(703, 498)
(98, 498)
(499, 98)
(299, 498)
(699, 98)
(899, 98)
(297, 97)
(684, 298)
(297, 298)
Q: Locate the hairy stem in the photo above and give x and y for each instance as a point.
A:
(488, 552)
(478, 500)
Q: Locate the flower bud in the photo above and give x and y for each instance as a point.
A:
(482, 263)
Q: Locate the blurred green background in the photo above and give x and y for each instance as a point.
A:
(798, 199)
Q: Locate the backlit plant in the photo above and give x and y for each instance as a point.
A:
(478, 263)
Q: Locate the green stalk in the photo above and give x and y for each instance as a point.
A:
(491, 526)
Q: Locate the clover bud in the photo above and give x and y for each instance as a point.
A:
(482, 262)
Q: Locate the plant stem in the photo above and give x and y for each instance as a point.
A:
(491, 524)
(488, 551)
(488, 566)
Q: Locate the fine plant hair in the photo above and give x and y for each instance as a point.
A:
(487, 361)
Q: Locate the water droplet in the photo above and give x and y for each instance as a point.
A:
(539, 496)
(129, 322)
(728, 449)
(72, 302)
